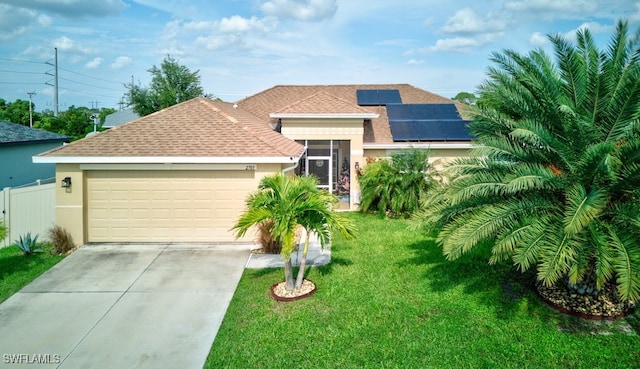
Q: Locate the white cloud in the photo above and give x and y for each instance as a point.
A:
(199, 26)
(415, 62)
(466, 21)
(233, 41)
(304, 10)
(63, 43)
(15, 21)
(121, 62)
(238, 24)
(72, 8)
(555, 9)
(95, 63)
(593, 27)
(461, 44)
(537, 39)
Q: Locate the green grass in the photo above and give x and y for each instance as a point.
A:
(390, 300)
(17, 270)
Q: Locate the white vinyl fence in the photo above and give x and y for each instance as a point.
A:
(27, 209)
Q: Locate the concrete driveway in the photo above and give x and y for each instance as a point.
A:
(122, 306)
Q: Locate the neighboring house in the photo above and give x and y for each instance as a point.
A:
(182, 174)
(119, 118)
(18, 144)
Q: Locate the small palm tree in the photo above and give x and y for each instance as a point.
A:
(289, 202)
(555, 179)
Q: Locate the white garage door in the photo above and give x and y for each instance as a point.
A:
(165, 206)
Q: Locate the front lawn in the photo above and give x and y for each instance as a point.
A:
(17, 270)
(389, 299)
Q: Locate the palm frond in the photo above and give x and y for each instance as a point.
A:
(582, 207)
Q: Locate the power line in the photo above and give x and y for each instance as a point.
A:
(87, 84)
(21, 72)
(22, 61)
(20, 83)
(88, 76)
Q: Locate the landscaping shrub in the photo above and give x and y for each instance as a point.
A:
(395, 186)
(60, 239)
(27, 244)
(3, 230)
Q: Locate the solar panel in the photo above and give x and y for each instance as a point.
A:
(399, 112)
(378, 97)
(367, 97)
(434, 111)
(442, 130)
(430, 130)
(459, 131)
(387, 97)
(403, 130)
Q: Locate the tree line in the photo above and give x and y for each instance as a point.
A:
(171, 83)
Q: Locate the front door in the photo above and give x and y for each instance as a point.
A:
(320, 167)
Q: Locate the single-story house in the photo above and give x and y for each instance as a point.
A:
(18, 144)
(182, 174)
(119, 118)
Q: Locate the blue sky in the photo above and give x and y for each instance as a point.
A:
(242, 47)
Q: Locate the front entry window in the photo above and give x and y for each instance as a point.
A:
(329, 161)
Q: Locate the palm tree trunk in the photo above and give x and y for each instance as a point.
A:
(288, 275)
(303, 261)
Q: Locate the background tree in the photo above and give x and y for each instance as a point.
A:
(466, 97)
(171, 83)
(555, 180)
(15, 112)
(395, 186)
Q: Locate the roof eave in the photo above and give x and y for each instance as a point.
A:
(324, 115)
(420, 145)
(164, 159)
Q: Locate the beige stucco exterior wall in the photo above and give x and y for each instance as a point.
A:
(70, 201)
(437, 157)
(332, 129)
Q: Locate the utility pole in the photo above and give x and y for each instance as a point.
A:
(55, 87)
(30, 109)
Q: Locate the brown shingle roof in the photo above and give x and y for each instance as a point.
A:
(322, 102)
(196, 128)
(289, 97)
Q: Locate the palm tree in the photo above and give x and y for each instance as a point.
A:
(288, 202)
(554, 181)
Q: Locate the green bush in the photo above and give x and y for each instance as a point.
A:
(3, 231)
(396, 186)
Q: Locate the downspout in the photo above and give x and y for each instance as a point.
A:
(294, 166)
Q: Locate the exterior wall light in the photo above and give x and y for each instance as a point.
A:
(357, 165)
(66, 182)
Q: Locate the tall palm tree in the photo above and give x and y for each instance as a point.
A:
(288, 202)
(554, 180)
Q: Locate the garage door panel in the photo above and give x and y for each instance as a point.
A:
(165, 206)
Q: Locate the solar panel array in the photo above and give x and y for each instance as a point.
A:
(427, 122)
(378, 97)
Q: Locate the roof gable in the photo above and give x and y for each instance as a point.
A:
(12, 133)
(199, 128)
(283, 97)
